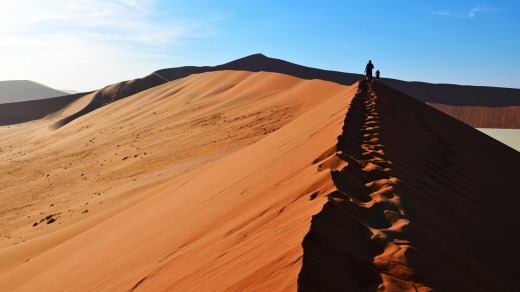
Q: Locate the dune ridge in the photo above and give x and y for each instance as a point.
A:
(378, 231)
(365, 206)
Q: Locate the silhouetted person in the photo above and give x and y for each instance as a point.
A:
(368, 71)
(377, 75)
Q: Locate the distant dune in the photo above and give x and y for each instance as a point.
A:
(25, 111)
(24, 90)
(502, 117)
(477, 106)
(255, 181)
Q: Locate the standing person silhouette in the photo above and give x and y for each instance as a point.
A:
(377, 74)
(368, 71)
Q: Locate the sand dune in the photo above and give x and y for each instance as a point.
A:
(242, 181)
(24, 90)
(418, 206)
(97, 163)
(504, 117)
(26, 111)
(253, 63)
(477, 102)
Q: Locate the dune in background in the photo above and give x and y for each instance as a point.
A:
(476, 105)
(501, 117)
(24, 90)
(243, 181)
(26, 111)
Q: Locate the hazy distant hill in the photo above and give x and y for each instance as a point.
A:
(24, 90)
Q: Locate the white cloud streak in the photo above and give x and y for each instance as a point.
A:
(86, 44)
(468, 14)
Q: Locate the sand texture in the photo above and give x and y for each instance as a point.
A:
(256, 181)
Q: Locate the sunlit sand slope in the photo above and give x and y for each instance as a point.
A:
(234, 223)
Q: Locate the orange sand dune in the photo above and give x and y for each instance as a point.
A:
(105, 161)
(471, 104)
(505, 117)
(258, 181)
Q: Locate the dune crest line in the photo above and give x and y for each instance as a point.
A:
(416, 207)
(371, 240)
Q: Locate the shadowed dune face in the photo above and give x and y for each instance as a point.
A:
(412, 209)
(26, 111)
(462, 179)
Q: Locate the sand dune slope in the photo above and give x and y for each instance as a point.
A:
(170, 128)
(235, 223)
(253, 63)
(420, 204)
(244, 181)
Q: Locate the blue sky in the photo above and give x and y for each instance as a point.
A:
(87, 44)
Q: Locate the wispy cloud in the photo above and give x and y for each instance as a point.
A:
(116, 36)
(479, 9)
(467, 14)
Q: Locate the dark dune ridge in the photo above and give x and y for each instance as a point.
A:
(425, 202)
(432, 93)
